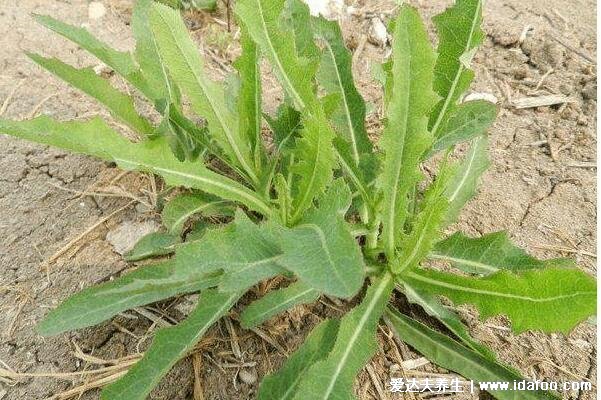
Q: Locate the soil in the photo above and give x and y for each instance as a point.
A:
(56, 209)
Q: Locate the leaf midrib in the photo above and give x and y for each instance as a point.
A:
(225, 129)
(460, 288)
(460, 70)
(354, 337)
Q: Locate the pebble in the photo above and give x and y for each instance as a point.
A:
(248, 376)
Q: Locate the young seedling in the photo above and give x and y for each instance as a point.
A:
(321, 206)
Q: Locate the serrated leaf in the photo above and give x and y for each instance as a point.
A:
(169, 346)
(459, 35)
(451, 355)
(143, 286)
(405, 136)
(450, 319)
(245, 252)
(262, 19)
(550, 299)
(151, 245)
(464, 123)
(249, 97)
(488, 254)
(97, 139)
(298, 17)
(186, 67)
(322, 251)
(120, 105)
(333, 377)
(122, 62)
(284, 384)
(426, 228)
(148, 57)
(276, 302)
(179, 209)
(462, 186)
(336, 76)
(315, 162)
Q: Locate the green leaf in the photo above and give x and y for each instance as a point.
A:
(426, 228)
(151, 245)
(186, 66)
(245, 252)
(122, 62)
(97, 139)
(120, 105)
(322, 251)
(148, 57)
(262, 19)
(405, 135)
(466, 122)
(179, 210)
(143, 286)
(489, 254)
(315, 161)
(186, 140)
(336, 76)
(550, 299)
(283, 385)
(285, 126)
(459, 35)
(450, 319)
(333, 377)
(276, 302)
(249, 97)
(451, 355)
(462, 186)
(169, 346)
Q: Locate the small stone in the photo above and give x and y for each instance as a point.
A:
(96, 10)
(125, 236)
(378, 35)
(248, 376)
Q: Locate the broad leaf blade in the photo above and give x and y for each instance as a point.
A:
(143, 286)
(451, 355)
(179, 210)
(550, 299)
(459, 35)
(336, 76)
(152, 245)
(463, 185)
(489, 254)
(316, 160)
(246, 253)
(169, 346)
(148, 57)
(249, 97)
(466, 122)
(276, 302)
(406, 135)
(283, 385)
(356, 343)
(322, 251)
(208, 98)
(262, 19)
(96, 138)
(120, 105)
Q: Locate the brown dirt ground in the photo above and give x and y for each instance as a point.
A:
(541, 188)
